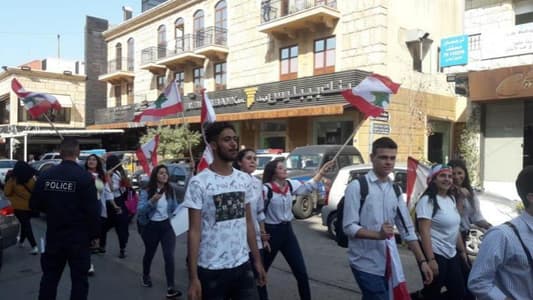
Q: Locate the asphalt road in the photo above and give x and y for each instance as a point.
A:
(327, 265)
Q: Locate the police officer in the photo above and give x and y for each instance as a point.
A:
(67, 195)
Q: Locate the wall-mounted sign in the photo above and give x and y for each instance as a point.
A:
(454, 51)
(510, 42)
(380, 128)
(504, 83)
(383, 117)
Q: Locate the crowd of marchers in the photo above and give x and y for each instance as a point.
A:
(238, 224)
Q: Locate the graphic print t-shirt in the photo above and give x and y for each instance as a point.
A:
(222, 200)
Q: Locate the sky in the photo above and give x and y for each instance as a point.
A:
(29, 28)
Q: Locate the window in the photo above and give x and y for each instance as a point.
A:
(129, 89)
(523, 12)
(118, 95)
(131, 53)
(289, 63)
(220, 76)
(198, 79)
(221, 23)
(179, 34)
(325, 56)
(161, 41)
(198, 28)
(160, 82)
(118, 58)
(61, 116)
(179, 77)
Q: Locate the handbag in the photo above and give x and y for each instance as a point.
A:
(131, 201)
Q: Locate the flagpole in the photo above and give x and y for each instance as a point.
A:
(350, 138)
(53, 127)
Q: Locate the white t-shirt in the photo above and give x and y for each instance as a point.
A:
(444, 225)
(222, 200)
(280, 207)
(161, 211)
(257, 206)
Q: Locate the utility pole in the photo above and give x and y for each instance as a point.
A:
(58, 46)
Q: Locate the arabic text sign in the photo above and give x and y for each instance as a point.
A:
(454, 51)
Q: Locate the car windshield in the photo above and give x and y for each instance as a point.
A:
(304, 161)
(7, 164)
(262, 161)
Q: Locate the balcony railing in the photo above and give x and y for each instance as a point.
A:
(148, 55)
(210, 36)
(120, 65)
(272, 10)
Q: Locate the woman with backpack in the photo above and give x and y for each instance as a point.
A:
(18, 190)
(117, 212)
(438, 223)
(278, 192)
(246, 162)
(156, 207)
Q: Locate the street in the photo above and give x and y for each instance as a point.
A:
(330, 276)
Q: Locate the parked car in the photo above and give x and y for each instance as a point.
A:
(345, 176)
(9, 225)
(6, 165)
(42, 165)
(263, 159)
(179, 176)
(50, 155)
(303, 163)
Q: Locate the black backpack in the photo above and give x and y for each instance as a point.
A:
(340, 237)
(269, 194)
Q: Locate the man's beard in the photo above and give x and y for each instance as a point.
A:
(225, 157)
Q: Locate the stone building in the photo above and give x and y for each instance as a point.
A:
(276, 69)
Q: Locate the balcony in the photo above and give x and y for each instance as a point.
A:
(179, 53)
(211, 42)
(118, 70)
(149, 57)
(283, 18)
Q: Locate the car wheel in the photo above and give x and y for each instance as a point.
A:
(473, 241)
(332, 219)
(303, 207)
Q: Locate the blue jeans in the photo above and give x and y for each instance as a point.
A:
(153, 234)
(236, 283)
(282, 239)
(372, 286)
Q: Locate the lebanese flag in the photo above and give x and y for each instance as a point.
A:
(206, 160)
(371, 96)
(147, 154)
(417, 174)
(207, 114)
(394, 272)
(168, 103)
(35, 103)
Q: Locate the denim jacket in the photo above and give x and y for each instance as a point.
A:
(145, 209)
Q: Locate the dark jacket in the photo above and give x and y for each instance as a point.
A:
(67, 195)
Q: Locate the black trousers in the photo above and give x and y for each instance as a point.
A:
(152, 235)
(24, 217)
(53, 262)
(119, 221)
(450, 276)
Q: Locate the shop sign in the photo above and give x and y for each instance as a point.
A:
(383, 117)
(380, 128)
(217, 102)
(454, 51)
(504, 83)
(301, 94)
(509, 42)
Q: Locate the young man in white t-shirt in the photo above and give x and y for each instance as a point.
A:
(221, 230)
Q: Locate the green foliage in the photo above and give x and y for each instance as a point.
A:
(469, 144)
(173, 140)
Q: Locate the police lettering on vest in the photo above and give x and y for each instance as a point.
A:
(60, 186)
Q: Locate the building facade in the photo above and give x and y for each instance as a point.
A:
(276, 69)
(500, 85)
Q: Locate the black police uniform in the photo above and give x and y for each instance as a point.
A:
(67, 195)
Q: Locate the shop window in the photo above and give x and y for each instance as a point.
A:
(273, 135)
(129, 89)
(289, 63)
(324, 51)
(179, 78)
(118, 95)
(60, 116)
(220, 76)
(198, 79)
(160, 82)
(333, 132)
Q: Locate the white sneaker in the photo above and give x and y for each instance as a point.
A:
(34, 251)
(91, 270)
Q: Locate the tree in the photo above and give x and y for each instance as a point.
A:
(173, 140)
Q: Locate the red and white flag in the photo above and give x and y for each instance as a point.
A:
(168, 103)
(207, 114)
(417, 174)
(394, 272)
(147, 154)
(372, 95)
(35, 103)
